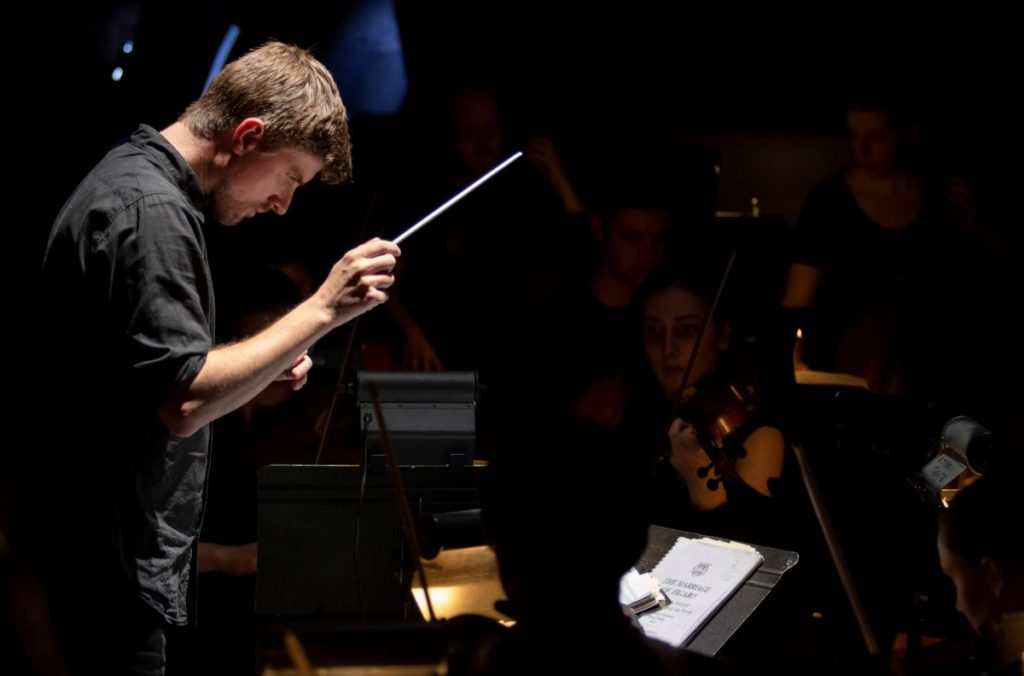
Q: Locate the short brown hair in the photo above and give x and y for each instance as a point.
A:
(294, 95)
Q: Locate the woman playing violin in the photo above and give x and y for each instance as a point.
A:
(713, 458)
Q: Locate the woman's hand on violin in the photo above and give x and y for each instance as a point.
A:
(687, 454)
(688, 458)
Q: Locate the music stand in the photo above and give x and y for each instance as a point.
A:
(308, 514)
(431, 417)
(710, 638)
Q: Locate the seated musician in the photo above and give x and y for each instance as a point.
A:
(561, 556)
(982, 552)
(692, 492)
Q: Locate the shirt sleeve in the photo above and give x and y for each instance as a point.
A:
(159, 293)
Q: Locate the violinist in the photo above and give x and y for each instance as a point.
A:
(717, 471)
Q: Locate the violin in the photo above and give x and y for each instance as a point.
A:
(721, 411)
(717, 408)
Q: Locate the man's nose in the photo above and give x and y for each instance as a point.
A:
(280, 203)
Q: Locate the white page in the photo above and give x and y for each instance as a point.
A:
(633, 587)
(697, 576)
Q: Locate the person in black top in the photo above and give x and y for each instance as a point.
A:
(674, 304)
(111, 503)
(890, 265)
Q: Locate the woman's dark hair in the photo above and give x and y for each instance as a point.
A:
(649, 408)
(696, 278)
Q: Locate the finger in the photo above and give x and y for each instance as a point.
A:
(298, 370)
(367, 282)
(375, 296)
(380, 264)
(304, 366)
(375, 247)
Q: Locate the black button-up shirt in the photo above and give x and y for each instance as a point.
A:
(127, 316)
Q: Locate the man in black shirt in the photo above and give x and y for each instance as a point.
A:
(111, 506)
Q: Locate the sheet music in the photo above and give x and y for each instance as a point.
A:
(639, 590)
(698, 576)
(633, 587)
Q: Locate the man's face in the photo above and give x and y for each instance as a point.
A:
(635, 243)
(875, 141)
(974, 596)
(476, 131)
(259, 181)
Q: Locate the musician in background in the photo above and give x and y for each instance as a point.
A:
(891, 265)
(982, 551)
(561, 554)
(490, 239)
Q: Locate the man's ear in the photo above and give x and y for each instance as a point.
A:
(247, 136)
(994, 575)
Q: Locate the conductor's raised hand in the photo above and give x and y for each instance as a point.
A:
(359, 281)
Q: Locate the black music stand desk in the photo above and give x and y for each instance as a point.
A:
(741, 605)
